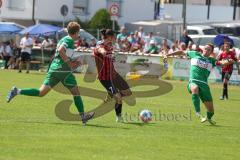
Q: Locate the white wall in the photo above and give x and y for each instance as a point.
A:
(132, 10)
(49, 10)
(15, 14)
(198, 13)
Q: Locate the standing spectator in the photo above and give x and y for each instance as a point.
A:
(6, 53)
(185, 38)
(226, 55)
(26, 45)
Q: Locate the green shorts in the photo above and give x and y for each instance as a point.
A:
(204, 91)
(54, 77)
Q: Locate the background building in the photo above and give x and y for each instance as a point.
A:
(30, 11)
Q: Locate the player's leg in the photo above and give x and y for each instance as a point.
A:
(49, 82)
(113, 93)
(71, 83)
(42, 91)
(194, 90)
(206, 98)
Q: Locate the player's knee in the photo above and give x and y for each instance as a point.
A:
(42, 94)
(194, 89)
(118, 98)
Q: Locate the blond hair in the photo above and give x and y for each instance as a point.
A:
(73, 27)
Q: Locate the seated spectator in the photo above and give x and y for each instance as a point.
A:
(147, 40)
(138, 45)
(47, 43)
(36, 41)
(153, 49)
(93, 43)
(6, 53)
(182, 46)
(122, 35)
(164, 47)
(84, 43)
(125, 45)
(131, 38)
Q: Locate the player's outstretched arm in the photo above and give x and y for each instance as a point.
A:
(177, 53)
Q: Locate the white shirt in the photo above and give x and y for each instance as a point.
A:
(26, 42)
(47, 44)
(6, 51)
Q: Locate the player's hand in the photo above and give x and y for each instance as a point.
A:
(76, 63)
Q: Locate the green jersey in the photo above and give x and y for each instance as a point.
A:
(200, 66)
(58, 64)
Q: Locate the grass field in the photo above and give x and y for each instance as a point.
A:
(29, 128)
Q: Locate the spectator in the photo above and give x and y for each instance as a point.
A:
(185, 38)
(164, 47)
(26, 45)
(84, 43)
(131, 38)
(147, 40)
(125, 45)
(47, 43)
(122, 35)
(93, 43)
(174, 47)
(6, 53)
(182, 46)
(141, 34)
(153, 49)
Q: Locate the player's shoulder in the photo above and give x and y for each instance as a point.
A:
(193, 53)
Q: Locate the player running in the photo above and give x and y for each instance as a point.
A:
(115, 85)
(201, 66)
(227, 69)
(61, 70)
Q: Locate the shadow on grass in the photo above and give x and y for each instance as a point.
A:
(73, 124)
(139, 124)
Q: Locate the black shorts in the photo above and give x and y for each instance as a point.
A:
(226, 75)
(25, 56)
(115, 86)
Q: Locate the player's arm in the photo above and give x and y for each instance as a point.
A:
(71, 64)
(177, 53)
(225, 62)
(101, 50)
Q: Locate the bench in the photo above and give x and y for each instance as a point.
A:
(35, 65)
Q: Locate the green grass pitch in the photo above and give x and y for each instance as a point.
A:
(29, 128)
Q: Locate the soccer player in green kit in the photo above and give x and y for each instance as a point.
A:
(61, 70)
(201, 66)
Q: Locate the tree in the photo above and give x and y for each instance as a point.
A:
(102, 19)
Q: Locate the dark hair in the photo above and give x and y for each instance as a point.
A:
(211, 45)
(106, 32)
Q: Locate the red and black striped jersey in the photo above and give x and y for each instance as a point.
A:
(104, 63)
(225, 56)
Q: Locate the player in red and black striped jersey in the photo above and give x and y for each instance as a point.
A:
(116, 86)
(227, 70)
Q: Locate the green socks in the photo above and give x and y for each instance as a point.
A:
(79, 103)
(209, 114)
(30, 92)
(196, 102)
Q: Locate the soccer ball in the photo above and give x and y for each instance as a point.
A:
(145, 115)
